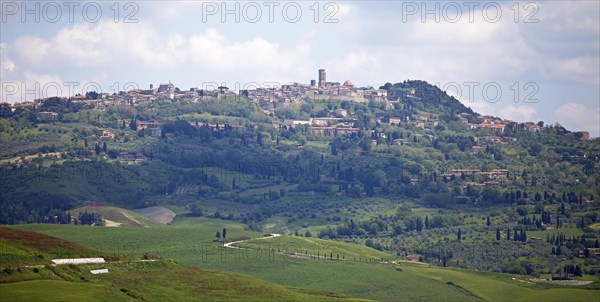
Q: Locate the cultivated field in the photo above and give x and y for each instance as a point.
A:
(191, 242)
(115, 215)
(158, 214)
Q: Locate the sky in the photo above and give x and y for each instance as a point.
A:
(523, 61)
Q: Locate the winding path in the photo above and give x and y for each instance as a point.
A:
(294, 255)
(229, 244)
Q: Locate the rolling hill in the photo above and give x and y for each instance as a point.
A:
(116, 216)
(23, 248)
(27, 275)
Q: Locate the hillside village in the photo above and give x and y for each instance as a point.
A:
(338, 121)
(271, 99)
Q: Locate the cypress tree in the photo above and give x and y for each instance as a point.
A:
(133, 124)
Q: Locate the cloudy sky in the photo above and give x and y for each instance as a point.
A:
(527, 61)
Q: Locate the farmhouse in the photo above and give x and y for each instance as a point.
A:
(324, 121)
(47, 116)
(294, 123)
(395, 121)
(341, 112)
(594, 251)
(104, 134)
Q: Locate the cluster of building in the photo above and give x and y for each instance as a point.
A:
(421, 120)
(495, 123)
(47, 116)
(490, 184)
(164, 91)
(492, 175)
(269, 98)
(273, 98)
(130, 158)
(497, 139)
(149, 128)
(325, 126)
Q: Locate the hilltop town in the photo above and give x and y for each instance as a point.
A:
(293, 94)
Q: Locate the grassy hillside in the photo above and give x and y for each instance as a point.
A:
(159, 214)
(182, 241)
(158, 282)
(20, 247)
(194, 284)
(116, 216)
(126, 281)
(595, 226)
(501, 287)
(58, 290)
(190, 242)
(313, 247)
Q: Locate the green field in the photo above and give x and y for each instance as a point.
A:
(190, 242)
(58, 290)
(315, 247)
(127, 280)
(183, 241)
(120, 216)
(153, 282)
(501, 287)
(20, 248)
(567, 231)
(196, 284)
(595, 226)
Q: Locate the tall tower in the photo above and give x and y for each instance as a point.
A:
(322, 77)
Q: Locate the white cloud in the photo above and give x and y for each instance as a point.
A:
(107, 46)
(566, 17)
(579, 117)
(440, 52)
(167, 10)
(87, 45)
(519, 113)
(343, 9)
(469, 51)
(6, 65)
(253, 59)
(481, 107)
(584, 69)
(355, 64)
(171, 12)
(346, 18)
(32, 86)
(31, 49)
